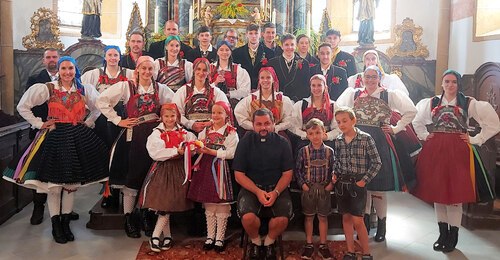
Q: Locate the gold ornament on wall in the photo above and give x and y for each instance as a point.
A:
(408, 41)
(44, 31)
(134, 24)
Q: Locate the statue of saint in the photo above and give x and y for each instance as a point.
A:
(208, 16)
(256, 16)
(366, 15)
(91, 24)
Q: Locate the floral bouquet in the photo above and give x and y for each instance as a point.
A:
(232, 9)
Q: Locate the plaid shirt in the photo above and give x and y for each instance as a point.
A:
(359, 157)
(320, 166)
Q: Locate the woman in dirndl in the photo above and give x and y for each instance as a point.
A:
(449, 169)
(66, 154)
(268, 96)
(102, 79)
(373, 106)
(172, 69)
(143, 98)
(211, 182)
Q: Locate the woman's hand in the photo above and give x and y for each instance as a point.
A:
(465, 137)
(49, 124)
(128, 123)
(220, 78)
(387, 129)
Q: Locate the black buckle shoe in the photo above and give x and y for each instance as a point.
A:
(57, 230)
(209, 244)
(74, 216)
(37, 216)
(381, 229)
(155, 247)
(131, 227)
(254, 252)
(219, 246)
(65, 218)
(443, 235)
(270, 252)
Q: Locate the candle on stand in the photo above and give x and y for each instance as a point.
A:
(273, 17)
(191, 17)
(261, 4)
(308, 23)
(157, 15)
(203, 3)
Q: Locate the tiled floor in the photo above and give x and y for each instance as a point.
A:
(411, 231)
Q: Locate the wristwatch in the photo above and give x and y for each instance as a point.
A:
(277, 192)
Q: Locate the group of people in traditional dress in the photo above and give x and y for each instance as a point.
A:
(164, 127)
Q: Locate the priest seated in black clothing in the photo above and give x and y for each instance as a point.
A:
(263, 165)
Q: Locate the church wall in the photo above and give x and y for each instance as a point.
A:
(21, 15)
(424, 13)
(465, 55)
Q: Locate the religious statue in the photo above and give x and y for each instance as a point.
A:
(91, 24)
(256, 16)
(366, 15)
(208, 16)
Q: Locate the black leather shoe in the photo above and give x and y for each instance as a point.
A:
(219, 246)
(254, 252)
(57, 230)
(443, 235)
(65, 218)
(451, 240)
(131, 227)
(381, 229)
(209, 244)
(37, 215)
(73, 216)
(112, 201)
(270, 252)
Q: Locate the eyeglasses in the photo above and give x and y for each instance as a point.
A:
(370, 77)
(232, 37)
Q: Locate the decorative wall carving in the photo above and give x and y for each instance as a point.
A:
(408, 41)
(44, 31)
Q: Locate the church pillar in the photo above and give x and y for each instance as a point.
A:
(299, 14)
(6, 57)
(184, 6)
(281, 16)
(443, 42)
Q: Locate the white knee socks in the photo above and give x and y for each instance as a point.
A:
(129, 196)
(449, 213)
(162, 222)
(380, 203)
(68, 200)
(54, 201)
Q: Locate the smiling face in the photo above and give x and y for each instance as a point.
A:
(145, 71)
(67, 72)
(288, 47)
(370, 59)
(232, 37)
(269, 34)
(303, 45)
(333, 39)
(317, 88)
(112, 57)
(169, 118)
(205, 38)
(371, 80)
(224, 52)
(173, 48)
(450, 84)
(201, 72)
(266, 80)
(219, 115)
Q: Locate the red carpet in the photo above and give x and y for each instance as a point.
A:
(192, 249)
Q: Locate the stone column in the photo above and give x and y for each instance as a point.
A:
(281, 16)
(443, 42)
(183, 22)
(7, 57)
(299, 14)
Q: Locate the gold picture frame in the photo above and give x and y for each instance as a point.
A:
(408, 41)
(44, 31)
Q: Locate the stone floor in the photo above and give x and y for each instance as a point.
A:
(411, 231)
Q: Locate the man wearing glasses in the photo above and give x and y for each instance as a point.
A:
(231, 36)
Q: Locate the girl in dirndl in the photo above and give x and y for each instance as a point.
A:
(164, 190)
(211, 181)
(173, 70)
(449, 169)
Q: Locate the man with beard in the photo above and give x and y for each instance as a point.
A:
(136, 46)
(263, 166)
(50, 73)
